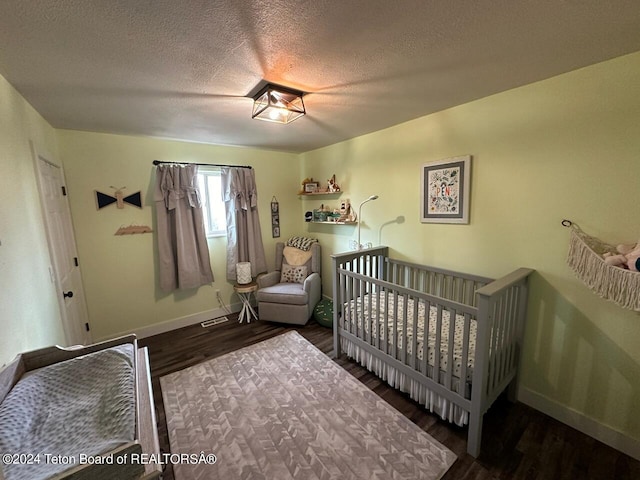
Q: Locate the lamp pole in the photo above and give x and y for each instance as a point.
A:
(372, 197)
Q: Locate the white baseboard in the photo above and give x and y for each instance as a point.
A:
(580, 422)
(167, 326)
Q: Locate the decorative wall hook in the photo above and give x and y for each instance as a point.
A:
(567, 223)
(104, 200)
(133, 229)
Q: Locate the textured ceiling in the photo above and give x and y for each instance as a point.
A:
(182, 69)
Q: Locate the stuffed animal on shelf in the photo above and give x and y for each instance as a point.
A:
(332, 186)
(627, 256)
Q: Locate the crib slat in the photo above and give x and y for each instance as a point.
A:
(471, 293)
(464, 362)
(513, 321)
(502, 330)
(504, 337)
(516, 323)
(495, 335)
(457, 289)
(378, 319)
(465, 293)
(362, 293)
(386, 322)
(414, 338)
(508, 334)
(425, 337)
(450, 349)
(491, 351)
(405, 311)
(347, 313)
(370, 316)
(508, 324)
(347, 296)
(506, 343)
(437, 346)
(513, 357)
(394, 320)
(354, 294)
(513, 318)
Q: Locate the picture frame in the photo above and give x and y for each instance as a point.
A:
(445, 190)
(275, 218)
(311, 187)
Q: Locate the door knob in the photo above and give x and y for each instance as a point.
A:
(67, 294)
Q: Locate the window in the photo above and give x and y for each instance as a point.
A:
(210, 184)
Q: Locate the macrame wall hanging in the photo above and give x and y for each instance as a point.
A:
(613, 283)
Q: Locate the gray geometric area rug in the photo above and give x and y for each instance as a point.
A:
(281, 409)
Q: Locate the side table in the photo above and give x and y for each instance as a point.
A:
(244, 292)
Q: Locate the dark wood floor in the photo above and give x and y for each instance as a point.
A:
(518, 442)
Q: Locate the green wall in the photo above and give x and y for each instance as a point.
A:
(566, 147)
(30, 316)
(119, 271)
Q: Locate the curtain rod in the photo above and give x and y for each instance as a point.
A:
(159, 162)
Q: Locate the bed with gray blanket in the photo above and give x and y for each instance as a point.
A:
(77, 413)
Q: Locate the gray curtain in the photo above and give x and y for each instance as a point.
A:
(244, 237)
(182, 242)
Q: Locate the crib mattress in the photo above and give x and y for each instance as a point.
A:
(81, 406)
(366, 307)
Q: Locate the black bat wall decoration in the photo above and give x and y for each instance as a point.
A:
(104, 200)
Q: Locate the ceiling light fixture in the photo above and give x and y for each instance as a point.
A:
(274, 103)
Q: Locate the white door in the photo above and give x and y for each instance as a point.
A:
(62, 248)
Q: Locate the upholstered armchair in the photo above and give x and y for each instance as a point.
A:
(289, 294)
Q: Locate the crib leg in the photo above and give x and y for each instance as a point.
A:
(512, 390)
(474, 436)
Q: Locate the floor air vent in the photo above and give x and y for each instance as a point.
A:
(215, 321)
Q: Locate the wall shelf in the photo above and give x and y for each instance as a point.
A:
(302, 194)
(336, 223)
